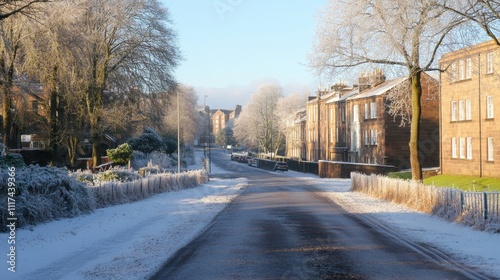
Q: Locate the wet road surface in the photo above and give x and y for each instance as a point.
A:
(281, 228)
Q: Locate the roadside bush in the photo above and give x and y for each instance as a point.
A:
(44, 194)
(121, 155)
(12, 160)
(147, 142)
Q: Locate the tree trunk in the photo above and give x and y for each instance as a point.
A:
(416, 94)
(7, 117)
(72, 146)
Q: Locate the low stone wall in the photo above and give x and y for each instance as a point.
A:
(336, 169)
(303, 166)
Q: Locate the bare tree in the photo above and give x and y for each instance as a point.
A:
(286, 109)
(12, 7)
(406, 34)
(190, 119)
(258, 123)
(485, 14)
(127, 42)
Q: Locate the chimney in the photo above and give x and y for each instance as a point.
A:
(370, 80)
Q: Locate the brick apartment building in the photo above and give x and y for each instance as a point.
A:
(470, 101)
(221, 117)
(353, 123)
(374, 136)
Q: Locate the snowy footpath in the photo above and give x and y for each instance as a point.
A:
(132, 241)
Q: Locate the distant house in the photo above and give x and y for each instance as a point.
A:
(220, 118)
(295, 135)
(470, 98)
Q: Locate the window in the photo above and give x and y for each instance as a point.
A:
(489, 63)
(355, 113)
(469, 147)
(490, 149)
(454, 147)
(468, 109)
(489, 107)
(367, 111)
(468, 68)
(461, 110)
(342, 113)
(331, 134)
(462, 147)
(367, 137)
(453, 111)
(453, 73)
(331, 114)
(373, 110)
(34, 106)
(374, 137)
(461, 73)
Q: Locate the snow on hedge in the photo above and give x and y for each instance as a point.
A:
(49, 193)
(44, 194)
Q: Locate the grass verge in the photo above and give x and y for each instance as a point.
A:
(465, 183)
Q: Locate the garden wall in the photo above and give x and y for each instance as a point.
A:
(337, 169)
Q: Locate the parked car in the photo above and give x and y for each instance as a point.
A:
(254, 162)
(280, 165)
(250, 160)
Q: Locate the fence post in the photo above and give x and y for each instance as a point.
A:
(461, 202)
(485, 196)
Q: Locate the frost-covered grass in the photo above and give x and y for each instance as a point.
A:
(478, 210)
(160, 159)
(48, 193)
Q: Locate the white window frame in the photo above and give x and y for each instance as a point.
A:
(469, 147)
(367, 111)
(461, 110)
(373, 110)
(490, 114)
(468, 109)
(462, 147)
(374, 137)
(490, 149)
(489, 63)
(453, 147)
(468, 68)
(453, 70)
(367, 137)
(355, 113)
(453, 111)
(461, 74)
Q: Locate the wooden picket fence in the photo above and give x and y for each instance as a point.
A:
(480, 210)
(111, 193)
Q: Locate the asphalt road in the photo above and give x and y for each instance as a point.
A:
(281, 228)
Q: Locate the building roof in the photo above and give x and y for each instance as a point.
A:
(380, 89)
(344, 96)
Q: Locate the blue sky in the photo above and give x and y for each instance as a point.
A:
(230, 47)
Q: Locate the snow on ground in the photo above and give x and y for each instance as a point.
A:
(131, 241)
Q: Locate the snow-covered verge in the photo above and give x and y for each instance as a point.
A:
(128, 241)
(476, 249)
(477, 210)
(40, 194)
